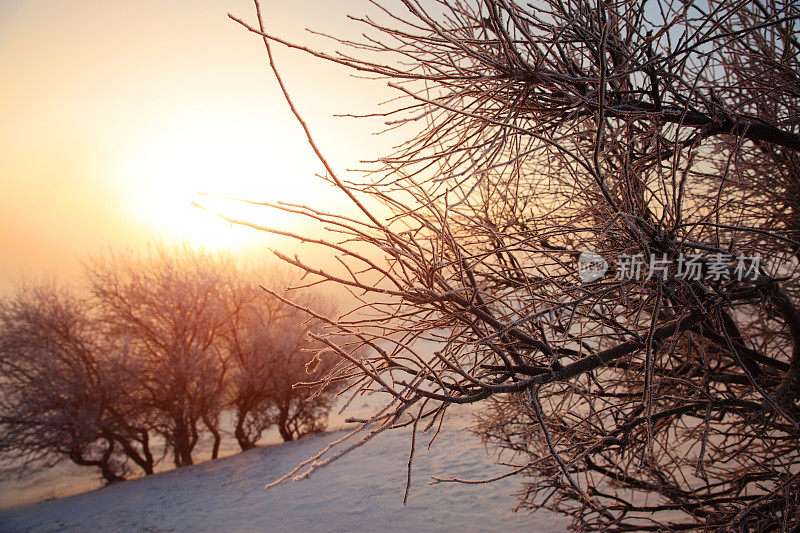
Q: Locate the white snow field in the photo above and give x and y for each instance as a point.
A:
(361, 492)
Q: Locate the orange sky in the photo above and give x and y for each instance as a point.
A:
(114, 114)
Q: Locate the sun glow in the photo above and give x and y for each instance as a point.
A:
(168, 174)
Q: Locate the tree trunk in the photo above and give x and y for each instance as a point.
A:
(104, 463)
(145, 459)
(212, 427)
(182, 451)
(283, 424)
(244, 440)
(148, 455)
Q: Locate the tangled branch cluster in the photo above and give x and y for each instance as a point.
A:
(658, 128)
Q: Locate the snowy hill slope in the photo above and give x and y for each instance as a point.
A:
(362, 492)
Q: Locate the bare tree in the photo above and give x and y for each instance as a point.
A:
(301, 398)
(62, 394)
(169, 308)
(268, 347)
(659, 136)
(250, 373)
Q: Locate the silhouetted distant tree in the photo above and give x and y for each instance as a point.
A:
(63, 391)
(170, 309)
(269, 347)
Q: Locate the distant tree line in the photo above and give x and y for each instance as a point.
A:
(144, 363)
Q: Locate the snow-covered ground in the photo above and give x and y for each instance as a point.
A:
(361, 492)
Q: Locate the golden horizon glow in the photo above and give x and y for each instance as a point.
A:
(112, 129)
(211, 163)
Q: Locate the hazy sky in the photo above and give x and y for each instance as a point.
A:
(114, 114)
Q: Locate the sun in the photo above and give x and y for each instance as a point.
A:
(170, 171)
